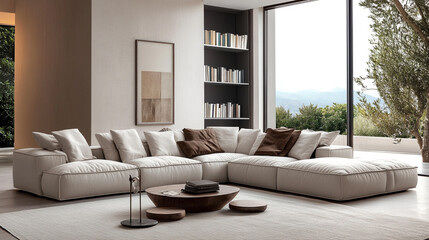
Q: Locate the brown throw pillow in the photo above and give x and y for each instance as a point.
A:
(292, 140)
(195, 148)
(274, 142)
(199, 134)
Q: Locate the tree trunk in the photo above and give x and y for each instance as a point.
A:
(425, 147)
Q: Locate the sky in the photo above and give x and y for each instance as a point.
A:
(311, 45)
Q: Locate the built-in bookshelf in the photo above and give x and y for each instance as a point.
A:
(227, 67)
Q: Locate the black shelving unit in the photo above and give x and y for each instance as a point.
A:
(237, 22)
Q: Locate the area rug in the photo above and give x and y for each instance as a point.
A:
(287, 217)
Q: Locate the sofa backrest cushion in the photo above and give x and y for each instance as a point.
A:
(197, 147)
(46, 141)
(227, 138)
(274, 142)
(162, 143)
(108, 145)
(257, 143)
(305, 145)
(199, 134)
(74, 144)
(246, 139)
(289, 145)
(326, 138)
(129, 144)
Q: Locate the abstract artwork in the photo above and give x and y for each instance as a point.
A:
(155, 82)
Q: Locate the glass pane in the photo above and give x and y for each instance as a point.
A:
(311, 66)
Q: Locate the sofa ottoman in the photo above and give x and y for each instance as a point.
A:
(86, 179)
(215, 165)
(257, 171)
(165, 170)
(345, 179)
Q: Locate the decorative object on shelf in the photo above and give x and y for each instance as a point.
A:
(221, 74)
(222, 110)
(137, 223)
(154, 82)
(231, 40)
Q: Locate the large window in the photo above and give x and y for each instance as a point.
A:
(308, 41)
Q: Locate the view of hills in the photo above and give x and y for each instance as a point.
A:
(293, 101)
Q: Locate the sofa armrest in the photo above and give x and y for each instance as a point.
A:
(29, 164)
(97, 152)
(334, 151)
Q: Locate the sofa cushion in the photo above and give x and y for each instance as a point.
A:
(292, 140)
(257, 143)
(199, 134)
(87, 178)
(258, 171)
(74, 144)
(46, 141)
(227, 138)
(129, 144)
(164, 170)
(195, 148)
(162, 143)
(108, 145)
(215, 165)
(274, 142)
(246, 139)
(326, 138)
(305, 145)
(344, 179)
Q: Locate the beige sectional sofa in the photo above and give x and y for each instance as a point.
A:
(332, 174)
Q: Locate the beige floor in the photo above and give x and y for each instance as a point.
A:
(413, 203)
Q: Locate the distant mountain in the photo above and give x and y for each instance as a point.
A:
(293, 101)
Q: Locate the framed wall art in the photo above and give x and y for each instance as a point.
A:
(154, 82)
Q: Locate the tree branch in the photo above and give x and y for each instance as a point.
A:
(422, 13)
(411, 22)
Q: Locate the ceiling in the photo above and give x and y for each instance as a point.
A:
(243, 4)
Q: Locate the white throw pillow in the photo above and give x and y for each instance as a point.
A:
(73, 143)
(46, 141)
(327, 137)
(257, 143)
(178, 135)
(305, 145)
(129, 144)
(162, 143)
(227, 138)
(246, 139)
(108, 145)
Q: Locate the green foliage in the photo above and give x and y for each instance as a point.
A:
(364, 127)
(399, 67)
(329, 118)
(7, 56)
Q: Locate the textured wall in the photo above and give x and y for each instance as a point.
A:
(115, 27)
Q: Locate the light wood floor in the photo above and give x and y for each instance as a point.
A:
(413, 203)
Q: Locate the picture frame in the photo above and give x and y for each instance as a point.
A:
(154, 82)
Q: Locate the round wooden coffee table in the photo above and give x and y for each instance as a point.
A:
(204, 202)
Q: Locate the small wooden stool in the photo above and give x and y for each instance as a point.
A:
(165, 214)
(247, 206)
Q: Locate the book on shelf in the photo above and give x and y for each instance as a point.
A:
(212, 37)
(221, 74)
(222, 110)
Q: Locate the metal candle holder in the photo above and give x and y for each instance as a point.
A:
(137, 223)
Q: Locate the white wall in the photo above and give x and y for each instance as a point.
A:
(258, 68)
(115, 27)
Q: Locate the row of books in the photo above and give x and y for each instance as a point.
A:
(222, 110)
(212, 37)
(221, 74)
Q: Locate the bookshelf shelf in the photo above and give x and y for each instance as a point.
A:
(226, 49)
(234, 94)
(227, 83)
